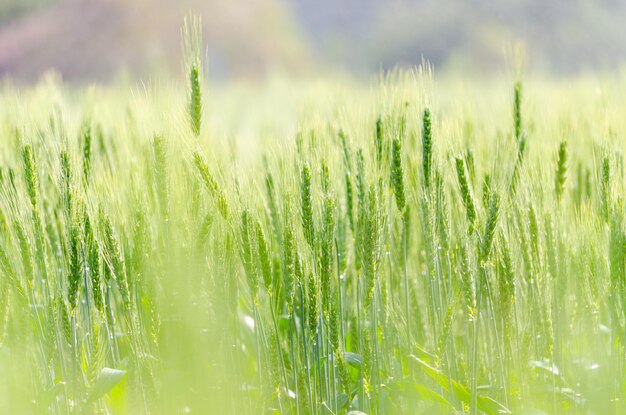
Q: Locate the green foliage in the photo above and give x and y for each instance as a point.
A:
(517, 112)
(605, 190)
(379, 140)
(306, 205)
(326, 276)
(397, 174)
(31, 175)
(561, 170)
(192, 45)
(466, 194)
(490, 227)
(195, 100)
(87, 152)
(247, 251)
(427, 148)
(74, 267)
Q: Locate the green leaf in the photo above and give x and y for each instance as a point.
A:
(484, 403)
(418, 392)
(354, 359)
(343, 400)
(423, 354)
(545, 365)
(106, 380)
(284, 323)
(45, 399)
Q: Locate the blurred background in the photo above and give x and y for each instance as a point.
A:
(101, 40)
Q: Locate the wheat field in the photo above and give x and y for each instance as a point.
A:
(411, 244)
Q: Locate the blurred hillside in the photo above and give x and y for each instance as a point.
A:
(96, 39)
(12, 9)
(560, 35)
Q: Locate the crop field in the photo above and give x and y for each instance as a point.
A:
(409, 245)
